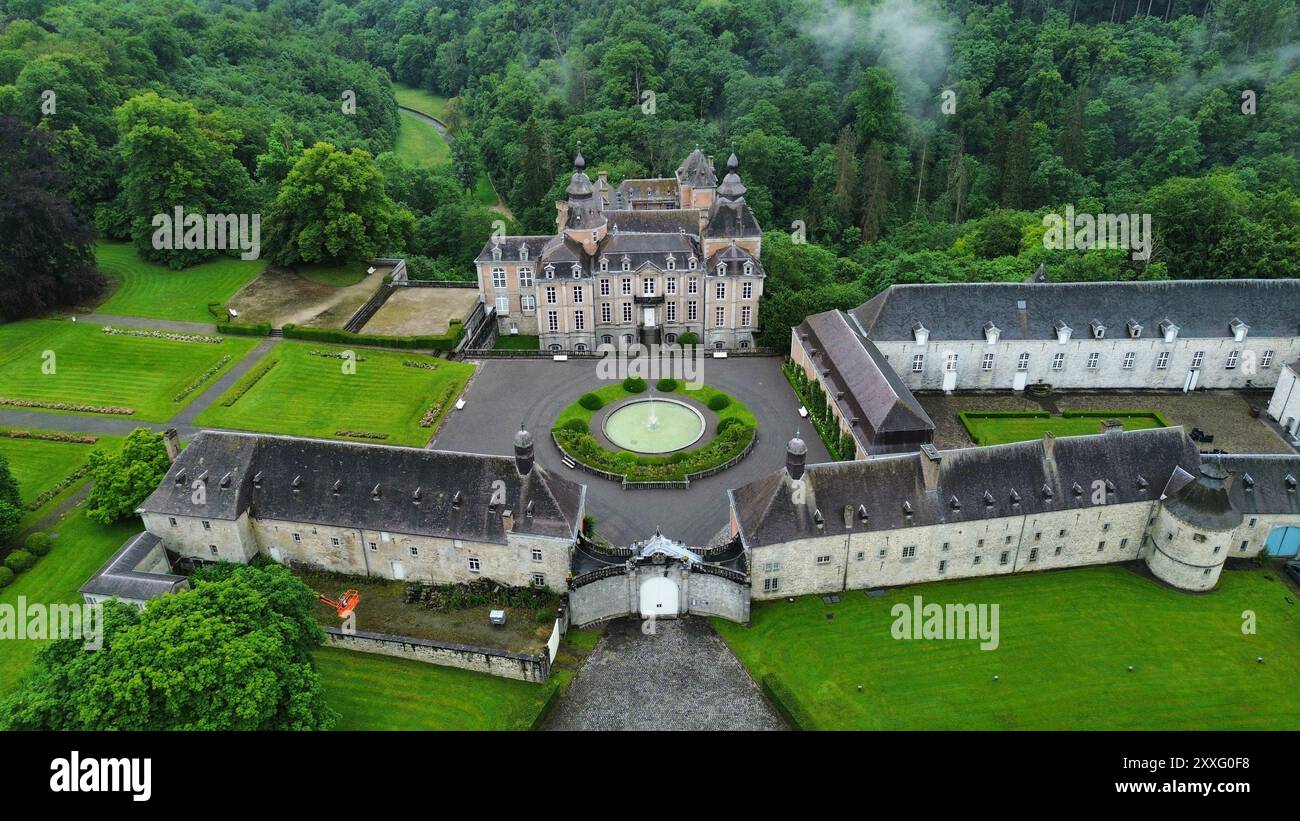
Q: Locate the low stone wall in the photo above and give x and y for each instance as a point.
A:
(520, 666)
(705, 590)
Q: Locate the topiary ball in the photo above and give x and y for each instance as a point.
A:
(666, 385)
(38, 544)
(719, 402)
(591, 401)
(6, 576)
(634, 384)
(19, 560)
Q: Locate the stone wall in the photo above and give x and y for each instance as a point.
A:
(700, 592)
(1284, 406)
(521, 666)
(602, 599)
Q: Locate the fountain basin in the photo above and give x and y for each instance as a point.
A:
(676, 425)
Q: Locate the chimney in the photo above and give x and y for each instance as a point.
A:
(1112, 426)
(796, 455)
(1049, 445)
(523, 452)
(173, 442)
(931, 460)
(508, 520)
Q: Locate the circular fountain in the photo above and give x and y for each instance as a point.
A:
(654, 425)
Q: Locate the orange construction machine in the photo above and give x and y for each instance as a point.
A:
(344, 604)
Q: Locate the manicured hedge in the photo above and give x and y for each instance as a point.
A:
(634, 384)
(591, 401)
(719, 402)
(443, 342)
(786, 704)
(666, 385)
(236, 329)
(729, 443)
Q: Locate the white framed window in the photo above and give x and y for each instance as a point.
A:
(297, 537)
(605, 313)
(526, 277)
(627, 286)
(539, 580)
(671, 263)
(1266, 359)
(578, 295)
(334, 540)
(690, 263)
(747, 290)
(721, 269)
(537, 554)
(207, 525)
(1197, 358)
(499, 278)
(1232, 360)
(909, 551)
(1033, 554)
(474, 565)
(823, 560)
(719, 317)
(604, 263)
(415, 551)
(171, 520)
(213, 550)
(771, 567)
(1004, 556)
(692, 285)
(720, 290)
(579, 320)
(772, 584)
(649, 286)
(943, 565)
(627, 264)
(577, 270)
(746, 314)
(604, 287)
(503, 305)
(1162, 361)
(627, 311)
(553, 321)
(1128, 360)
(374, 546)
(918, 363)
(690, 312)
(1094, 359)
(528, 302)
(1058, 361)
(670, 311)
(1022, 362)
(950, 363)
(670, 286)
(551, 295)
(987, 363)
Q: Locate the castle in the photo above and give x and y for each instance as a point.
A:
(645, 262)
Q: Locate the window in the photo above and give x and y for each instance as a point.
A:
(627, 311)
(526, 277)
(528, 303)
(627, 264)
(1196, 358)
(171, 520)
(1094, 359)
(604, 287)
(415, 551)
(747, 290)
(577, 271)
(720, 291)
(746, 314)
(1101, 546)
(627, 286)
(474, 565)
(503, 305)
(550, 295)
(537, 554)
(976, 561)
(719, 317)
(670, 285)
(987, 363)
(721, 269)
(1232, 360)
(649, 286)
(1123, 544)
(1061, 533)
(1266, 359)
(605, 313)
(1033, 554)
(213, 549)
(943, 565)
(1004, 556)
(604, 264)
(1128, 360)
(861, 554)
(498, 278)
(334, 540)
(1058, 550)
(1022, 363)
(539, 580)
(823, 560)
(918, 363)
(909, 552)
(579, 320)
(671, 310)
(373, 547)
(207, 525)
(1058, 361)
(690, 312)
(1252, 522)
(553, 321)
(771, 585)
(671, 262)
(1243, 546)
(950, 363)
(690, 263)
(771, 567)
(945, 547)
(578, 295)
(692, 285)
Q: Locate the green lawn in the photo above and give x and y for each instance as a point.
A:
(1002, 427)
(310, 395)
(419, 142)
(40, 464)
(150, 290)
(1066, 641)
(338, 275)
(99, 369)
(614, 392)
(79, 549)
(517, 342)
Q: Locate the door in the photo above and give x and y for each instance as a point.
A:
(1283, 541)
(1022, 377)
(649, 318)
(1189, 384)
(659, 598)
(950, 381)
(275, 554)
(399, 572)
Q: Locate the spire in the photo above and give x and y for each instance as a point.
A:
(523, 451)
(732, 188)
(796, 454)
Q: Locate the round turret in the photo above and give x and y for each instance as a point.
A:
(1193, 531)
(524, 452)
(796, 454)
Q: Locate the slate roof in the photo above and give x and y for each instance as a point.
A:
(1205, 502)
(510, 248)
(641, 249)
(118, 577)
(293, 479)
(735, 257)
(731, 218)
(655, 221)
(1200, 308)
(873, 392)
(696, 171)
(1018, 479)
(1261, 483)
(658, 189)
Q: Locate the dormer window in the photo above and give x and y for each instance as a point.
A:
(496, 251)
(1168, 330)
(627, 263)
(671, 262)
(604, 263)
(1063, 332)
(1239, 329)
(523, 253)
(722, 268)
(690, 262)
(577, 270)
(550, 272)
(992, 332)
(749, 268)
(1134, 329)
(920, 333)
(1098, 329)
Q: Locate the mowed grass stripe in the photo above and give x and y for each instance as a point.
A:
(374, 692)
(95, 368)
(146, 289)
(1066, 641)
(40, 464)
(308, 395)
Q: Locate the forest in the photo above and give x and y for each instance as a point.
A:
(881, 142)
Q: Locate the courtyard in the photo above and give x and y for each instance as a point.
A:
(417, 311)
(315, 298)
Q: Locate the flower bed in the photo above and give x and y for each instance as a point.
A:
(250, 379)
(64, 406)
(48, 436)
(204, 377)
(168, 335)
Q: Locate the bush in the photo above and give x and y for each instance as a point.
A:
(719, 402)
(729, 422)
(19, 560)
(634, 384)
(38, 544)
(6, 576)
(666, 385)
(591, 402)
(577, 425)
(688, 338)
(442, 342)
(237, 329)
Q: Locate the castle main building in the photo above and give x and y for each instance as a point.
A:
(642, 263)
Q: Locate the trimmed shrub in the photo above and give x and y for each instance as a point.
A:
(729, 422)
(719, 402)
(19, 560)
(634, 384)
(688, 338)
(666, 385)
(6, 576)
(38, 543)
(591, 402)
(237, 329)
(577, 425)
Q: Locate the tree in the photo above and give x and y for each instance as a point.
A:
(125, 479)
(282, 151)
(332, 207)
(11, 503)
(234, 653)
(46, 256)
